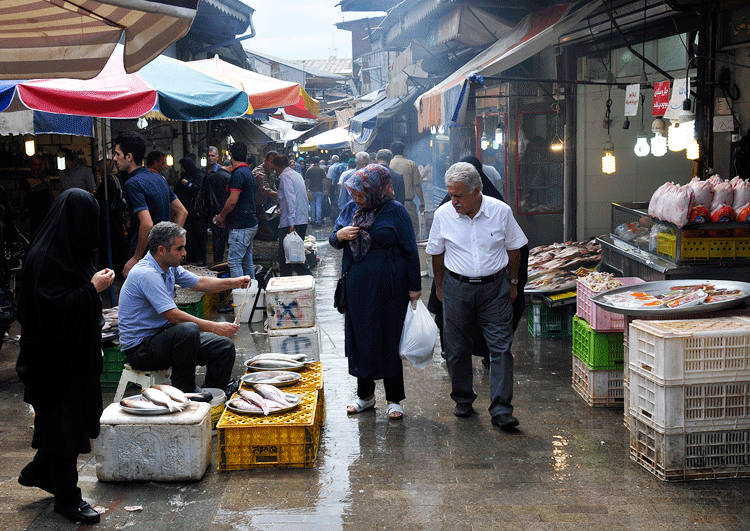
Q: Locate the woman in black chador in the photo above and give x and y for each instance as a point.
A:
(60, 362)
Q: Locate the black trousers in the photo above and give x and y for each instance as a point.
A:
(394, 387)
(58, 475)
(182, 347)
(285, 269)
(220, 237)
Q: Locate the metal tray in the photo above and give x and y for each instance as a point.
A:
(297, 367)
(274, 412)
(257, 377)
(163, 410)
(662, 286)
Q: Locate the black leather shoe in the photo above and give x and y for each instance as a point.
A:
(505, 421)
(463, 410)
(83, 513)
(28, 480)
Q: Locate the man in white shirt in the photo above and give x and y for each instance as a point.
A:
(476, 240)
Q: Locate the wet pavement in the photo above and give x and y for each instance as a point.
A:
(567, 468)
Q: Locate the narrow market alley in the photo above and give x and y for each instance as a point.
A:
(567, 468)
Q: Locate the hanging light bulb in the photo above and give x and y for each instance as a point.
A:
(295, 148)
(674, 138)
(142, 123)
(29, 145)
(693, 150)
(170, 159)
(498, 137)
(609, 164)
(658, 141)
(61, 161)
(641, 146)
(686, 118)
(557, 143)
(484, 143)
(441, 129)
(433, 130)
(203, 161)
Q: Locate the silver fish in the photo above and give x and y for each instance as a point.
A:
(173, 393)
(244, 405)
(274, 364)
(279, 356)
(272, 393)
(139, 404)
(254, 398)
(161, 398)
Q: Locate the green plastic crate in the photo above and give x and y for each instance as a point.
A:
(195, 309)
(600, 351)
(113, 361)
(554, 322)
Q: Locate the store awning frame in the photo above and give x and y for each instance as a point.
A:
(372, 117)
(445, 103)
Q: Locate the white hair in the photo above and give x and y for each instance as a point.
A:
(466, 174)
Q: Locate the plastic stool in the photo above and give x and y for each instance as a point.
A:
(143, 378)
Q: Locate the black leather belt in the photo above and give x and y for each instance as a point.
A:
(477, 280)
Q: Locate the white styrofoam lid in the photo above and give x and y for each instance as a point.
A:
(299, 283)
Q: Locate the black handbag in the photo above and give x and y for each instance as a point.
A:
(339, 296)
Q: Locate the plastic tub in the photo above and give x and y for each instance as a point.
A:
(216, 404)
(238, 295)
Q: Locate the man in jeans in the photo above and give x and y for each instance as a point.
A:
(315, 180)
(238, 214)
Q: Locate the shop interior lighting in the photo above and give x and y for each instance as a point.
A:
(609, 164)
(658, 141)
(484, 142)
(170, 159)
(204, 161)
(686, 118)
(29, 145)
(693, 150)
(674, 138)
(142, 123)
(441, 129)
(557, 143)
(61, 161)
(641, 146)
(433, 130)
(295, 148)
(498, 141)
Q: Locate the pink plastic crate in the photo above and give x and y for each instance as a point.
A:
(600, 320)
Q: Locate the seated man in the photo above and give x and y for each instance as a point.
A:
(155, 334)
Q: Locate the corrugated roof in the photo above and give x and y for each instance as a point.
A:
(332, 65)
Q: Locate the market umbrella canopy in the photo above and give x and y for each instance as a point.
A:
(179, 91)
(75, 38)
(337, 138)
(264, 92)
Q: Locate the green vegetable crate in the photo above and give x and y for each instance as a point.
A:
(600, 351)
(550, 322)
(195, 309)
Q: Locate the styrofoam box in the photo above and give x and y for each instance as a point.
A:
(600, 320)
(598, 388)
(691, 351)
(173, 447)
(693, 454)
(673, 408)
(290, 302)
(248, 313)
(296, 341)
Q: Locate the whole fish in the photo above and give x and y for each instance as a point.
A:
(274, 364)
(272, 393)
(161, 398)
(254, 398)
(279, 356)
(244, 405)
(139, 404)
(173, 393)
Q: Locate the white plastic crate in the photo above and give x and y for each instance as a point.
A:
(290, 302)
(671, 409)
(296, 341)
(598, 388)
(691, 351)
(690, 454)
(599, 319)
(626, 405)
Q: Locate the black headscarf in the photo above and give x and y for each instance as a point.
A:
(59, 309)
(192, 173)
(488, 188)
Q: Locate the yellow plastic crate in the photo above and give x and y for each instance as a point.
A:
(700, 248)
(742, 248)
(210, 303)
(283, 440)
(311, 379)
(665, 244)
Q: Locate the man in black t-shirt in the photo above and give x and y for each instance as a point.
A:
(238, 214)
(315, 179)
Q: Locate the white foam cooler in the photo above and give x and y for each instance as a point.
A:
(248, 314)
(290, 302)
(296, 341)
(174, 447)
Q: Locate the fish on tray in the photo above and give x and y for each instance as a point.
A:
(274, 377)
(135, 403)
(160, 397)
(297, 358)
(273, 364)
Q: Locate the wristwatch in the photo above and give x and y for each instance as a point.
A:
(513, 281)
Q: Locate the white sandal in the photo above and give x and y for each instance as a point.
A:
(361, 405)
(395, 411)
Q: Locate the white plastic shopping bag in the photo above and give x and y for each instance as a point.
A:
(418, 336)
(294, 249)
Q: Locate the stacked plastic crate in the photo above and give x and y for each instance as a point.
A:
(690, 397)
(292, 327)
(598, 349)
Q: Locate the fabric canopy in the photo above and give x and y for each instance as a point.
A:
(280, 130)
(334, 139)
(177, 90)
(264, 92)
(66, 39)
(441, 105)
(376, 114)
